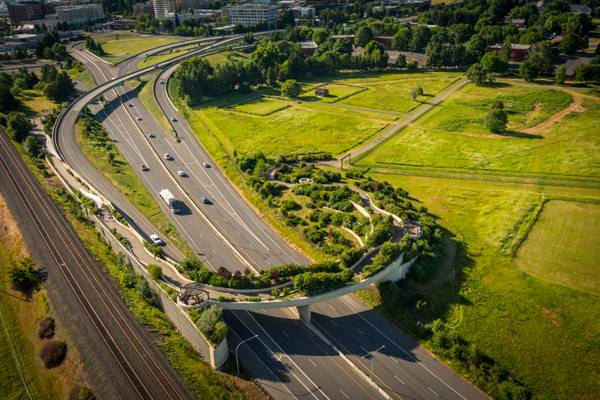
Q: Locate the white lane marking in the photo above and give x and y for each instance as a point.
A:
(393, 343)
(285, 334)
(334, 323)
(359, 331)
(344, 393)
(332, 307)
(312, 362)
(400, 380)
(263, 363)
(433, 391)
(281, 352)
(284, 353)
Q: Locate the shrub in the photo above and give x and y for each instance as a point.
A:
(210, 322)
(291, 88)
(496, 120)
(144, 290)
(46, 328)
(154, 271)
(53, 353)
(86, 394)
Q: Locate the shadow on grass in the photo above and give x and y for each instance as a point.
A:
(521, 135)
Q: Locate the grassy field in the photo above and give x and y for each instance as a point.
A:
(564, 245)
(453, 135)
(19, 319)
(392, 92)
(146, 62)
(545, 334)
(82, 75)
(119, 46)
(307, 127)
(220, 58)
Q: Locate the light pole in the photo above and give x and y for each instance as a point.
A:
(237, 361)
(372, 354)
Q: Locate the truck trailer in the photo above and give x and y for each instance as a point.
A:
(170, 200)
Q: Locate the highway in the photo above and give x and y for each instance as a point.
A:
(287, 357)
(121, 360)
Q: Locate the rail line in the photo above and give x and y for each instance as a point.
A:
(161, 379)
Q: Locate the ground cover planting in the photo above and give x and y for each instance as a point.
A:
(453, 135)
(158, 58)
(563, 246)
(490, 308)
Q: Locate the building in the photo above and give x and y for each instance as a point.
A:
(385, 41)
(580, 9)
(20, 41)
(142, 8)
(308, 48)
(163, 8)
(80, 14)
(519, 23)
(250, 14)
(194, 4)
(303, 12)
(321, 91)
(518, 52)
(25, 10)
(208, 15)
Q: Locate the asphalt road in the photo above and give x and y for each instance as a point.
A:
(120, 359)
(132, 139)
(287, 358)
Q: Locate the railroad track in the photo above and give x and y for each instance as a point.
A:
(79, 272)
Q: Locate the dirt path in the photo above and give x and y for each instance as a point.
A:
(576, 106)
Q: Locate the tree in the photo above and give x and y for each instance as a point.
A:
(541, 56)
(416, 92)
(19, 126)
(60, 88)
(528, 71)
(375, 55)
(493, 62)
(420, 38)
(402, 38)
(8, 102)
(569, 44)
(33, 146)
(144, 290)
(401, 61)
(363, 36)
(23, 276)
(496, 120)
(320, 35)
(476, 74)
(53, 353)
(561, 74)
(291, 88)
(412, 66)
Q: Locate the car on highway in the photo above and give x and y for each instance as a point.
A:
(156, 239)
(181, 173)
(173, 119)
(151, 136)
(168, 157)
(206, 200)
(162, 82)
(139, 118)
(145, 167)
(206, 165)
(130, 104)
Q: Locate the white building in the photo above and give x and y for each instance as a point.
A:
(163, 8)
(250, 14)
(80, 14)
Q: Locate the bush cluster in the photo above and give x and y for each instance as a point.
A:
(210, 322)
(53, 353)
(46, 328)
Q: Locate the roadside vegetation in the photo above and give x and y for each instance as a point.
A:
(27, 325)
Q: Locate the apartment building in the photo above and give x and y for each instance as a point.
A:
(250, 14)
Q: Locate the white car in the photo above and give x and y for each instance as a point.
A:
(206, 165)
(173, 119)
(181, 173)
(168, 157)
(156, 239)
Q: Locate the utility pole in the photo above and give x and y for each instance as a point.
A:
(372, 355)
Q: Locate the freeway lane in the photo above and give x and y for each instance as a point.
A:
(290, 361)
(233, 215)
(121, 360)
(402, 368)
(134, 145)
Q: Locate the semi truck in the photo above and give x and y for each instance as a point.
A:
(170, 200)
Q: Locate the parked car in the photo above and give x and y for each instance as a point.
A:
(145, 167)
(168, 157)
(156, 239)
(181, 173)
